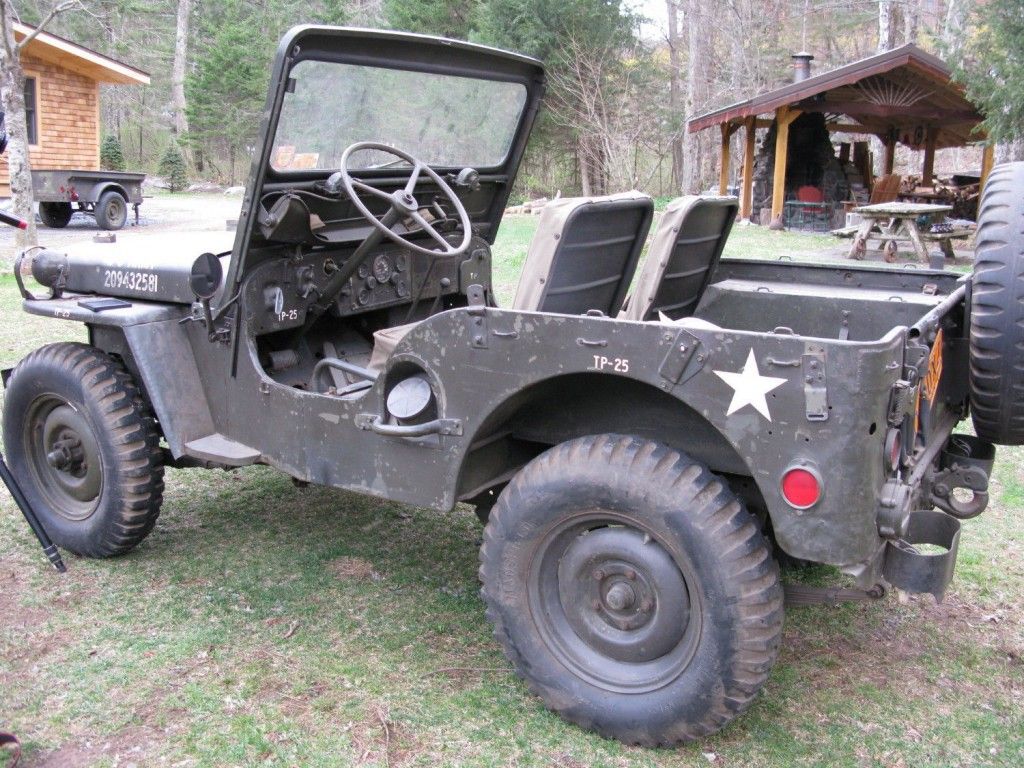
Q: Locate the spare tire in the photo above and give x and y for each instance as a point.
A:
(997, 310)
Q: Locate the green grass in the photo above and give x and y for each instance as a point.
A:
(266, 624)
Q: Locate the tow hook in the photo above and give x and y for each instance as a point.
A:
(965, 462)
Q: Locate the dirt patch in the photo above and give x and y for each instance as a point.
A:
(353, 568)
(379, 740)
(131, 745)
(13, 614)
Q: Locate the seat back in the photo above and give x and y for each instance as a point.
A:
(886, 189)
(684, 253)
(584, 254)
(810, 194)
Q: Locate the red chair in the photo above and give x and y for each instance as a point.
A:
(814, 213)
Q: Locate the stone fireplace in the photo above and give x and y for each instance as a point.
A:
(811, 160)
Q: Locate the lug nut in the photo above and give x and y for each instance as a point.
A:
(646, 605)
(631, 574)
(598, 574)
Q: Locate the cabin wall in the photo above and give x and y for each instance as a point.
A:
(68, 107)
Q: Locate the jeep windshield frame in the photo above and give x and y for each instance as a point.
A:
(393, 52)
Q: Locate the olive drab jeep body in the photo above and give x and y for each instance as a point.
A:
(641, 459)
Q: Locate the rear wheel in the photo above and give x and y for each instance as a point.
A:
(55, 215)
(997, 310)
(631, 589)
(85, 448)
(111, 210)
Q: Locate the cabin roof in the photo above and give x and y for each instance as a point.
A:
(56, 50)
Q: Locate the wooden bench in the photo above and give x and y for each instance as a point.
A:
(945, 240)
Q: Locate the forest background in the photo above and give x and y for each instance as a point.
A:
(624, 75)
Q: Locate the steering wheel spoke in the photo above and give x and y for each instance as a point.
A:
(370, 190)
(414, 177)
(427, 227)
(403, 203)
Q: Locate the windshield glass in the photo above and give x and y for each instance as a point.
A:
(444, 120)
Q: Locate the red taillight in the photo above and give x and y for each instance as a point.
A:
(801, 488)
(893, 448)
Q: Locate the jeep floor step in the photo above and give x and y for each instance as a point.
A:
(221, 450)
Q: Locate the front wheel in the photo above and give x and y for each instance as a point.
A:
(631, 589)
(85, 448)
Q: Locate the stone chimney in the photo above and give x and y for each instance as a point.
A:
(801, 65)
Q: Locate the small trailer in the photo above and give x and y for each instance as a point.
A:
(104, 194)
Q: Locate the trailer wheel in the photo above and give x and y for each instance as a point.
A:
(631, 590)
(997, 310)
(86, 448)
(111, 210)
(55, 215)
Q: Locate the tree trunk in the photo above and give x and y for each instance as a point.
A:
(911, 20)
(674, 91)
(953, 28)
(885, 26)
(178, 104)
(696, 40)
(12, 85)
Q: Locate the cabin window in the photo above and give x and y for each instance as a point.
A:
(31, 111)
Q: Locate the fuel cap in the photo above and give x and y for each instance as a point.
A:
(410, 397)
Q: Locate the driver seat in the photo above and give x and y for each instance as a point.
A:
(581, 258)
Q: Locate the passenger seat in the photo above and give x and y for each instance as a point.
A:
(684, 253)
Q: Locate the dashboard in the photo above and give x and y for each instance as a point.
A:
(277, 295)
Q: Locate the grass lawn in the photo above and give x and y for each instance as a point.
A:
(263, 624)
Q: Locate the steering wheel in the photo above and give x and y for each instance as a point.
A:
(403, 203)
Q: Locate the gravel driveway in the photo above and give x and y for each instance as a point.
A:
(162, 213)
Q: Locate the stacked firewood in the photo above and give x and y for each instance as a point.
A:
(963, 197)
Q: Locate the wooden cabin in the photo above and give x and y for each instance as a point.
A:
(62, 102)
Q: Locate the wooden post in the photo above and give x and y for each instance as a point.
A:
(890, 155)
(987, 161)
(747, 193)
(784, 115)
(723, 174)
(928, 171)
(723, 171)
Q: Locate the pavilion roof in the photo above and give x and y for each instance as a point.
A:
(900, 93)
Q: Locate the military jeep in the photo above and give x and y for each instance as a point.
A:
(642, 458)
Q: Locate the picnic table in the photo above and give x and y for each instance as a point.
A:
(894, 223)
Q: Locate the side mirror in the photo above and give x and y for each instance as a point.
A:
(205, 277)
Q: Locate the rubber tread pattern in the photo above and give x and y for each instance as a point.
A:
(128, 510)
(997, 310)
(756, 594)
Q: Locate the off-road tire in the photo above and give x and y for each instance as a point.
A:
(697, 524)
(997, 310)
(99, 398)
(111, 210)
(55, 215)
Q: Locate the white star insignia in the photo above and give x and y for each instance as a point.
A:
(749, 387)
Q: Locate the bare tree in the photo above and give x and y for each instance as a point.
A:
(675, 44)
(911, 20)
(697, 44)
(886, 27)
(12, 92)
(178, 104)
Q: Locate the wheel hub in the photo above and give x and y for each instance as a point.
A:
(66, 459)
(623, 594)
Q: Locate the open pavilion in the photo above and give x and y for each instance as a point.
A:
(904, 96)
